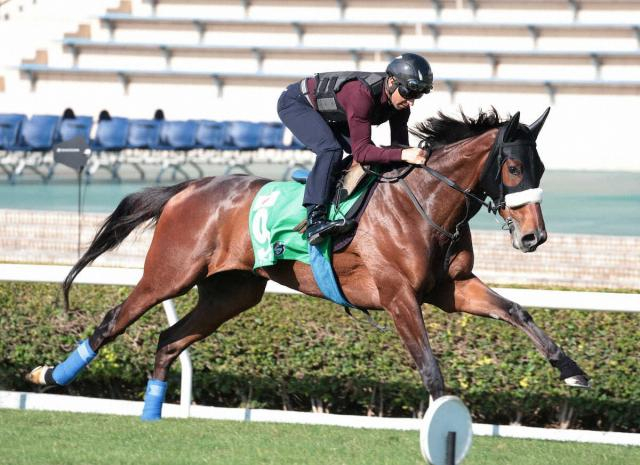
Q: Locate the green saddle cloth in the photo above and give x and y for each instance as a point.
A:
(275, 212)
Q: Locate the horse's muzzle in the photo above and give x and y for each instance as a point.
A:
(526, 226)
(531, 241)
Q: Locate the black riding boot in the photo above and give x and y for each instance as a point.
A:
(318, 227)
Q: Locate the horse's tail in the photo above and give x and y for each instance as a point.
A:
(132, 211)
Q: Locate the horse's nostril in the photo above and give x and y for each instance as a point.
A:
(529, 240)
(543, 237)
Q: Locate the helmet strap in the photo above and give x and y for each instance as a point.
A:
(392, 87)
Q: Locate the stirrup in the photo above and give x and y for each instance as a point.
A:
(317, 232)
(330, 228)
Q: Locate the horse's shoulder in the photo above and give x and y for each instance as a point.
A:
(462, 259)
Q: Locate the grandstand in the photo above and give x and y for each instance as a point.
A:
(227, 61)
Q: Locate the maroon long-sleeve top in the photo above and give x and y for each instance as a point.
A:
(362, 112)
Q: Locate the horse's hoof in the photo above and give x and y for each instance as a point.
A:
(38, 375)
(579, 381)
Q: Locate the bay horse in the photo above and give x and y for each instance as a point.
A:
(412, 246)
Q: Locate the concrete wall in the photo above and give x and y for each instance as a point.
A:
(584, 261)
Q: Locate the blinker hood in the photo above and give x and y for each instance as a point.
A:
(507, 146)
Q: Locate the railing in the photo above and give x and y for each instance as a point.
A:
(122, 276)
(118, 277)
(592, 301)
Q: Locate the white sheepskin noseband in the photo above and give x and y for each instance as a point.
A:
(518, 199)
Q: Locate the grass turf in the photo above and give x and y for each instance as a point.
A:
(52, 438)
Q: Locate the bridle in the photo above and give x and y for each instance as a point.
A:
(493, 205)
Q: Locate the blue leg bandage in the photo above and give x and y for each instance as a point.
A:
(66, 371)
(153, 399)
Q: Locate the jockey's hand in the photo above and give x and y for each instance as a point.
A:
(414, 155)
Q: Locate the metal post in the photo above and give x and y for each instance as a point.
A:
(185, 363)
(451, 448)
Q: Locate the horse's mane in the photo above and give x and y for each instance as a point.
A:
(443, 129)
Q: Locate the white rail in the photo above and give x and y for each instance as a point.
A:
(593, 301)
(79, 404)
(114, 276)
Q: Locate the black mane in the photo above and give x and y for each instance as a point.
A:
(443, 129)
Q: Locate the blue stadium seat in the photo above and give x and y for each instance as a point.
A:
(70, 127)
(244, 135)
(111, 134)
(144, 133)
(179, 135)
(78, 126)
(272, 136)
(10, 126)
(36, 137)
(299, 175)
(38, 133)
(211, 134)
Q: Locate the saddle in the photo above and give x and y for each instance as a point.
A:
(276, 219)
(353, 175)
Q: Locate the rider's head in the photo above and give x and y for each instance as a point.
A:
(410, 77)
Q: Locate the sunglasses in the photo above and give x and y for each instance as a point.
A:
(414, 89)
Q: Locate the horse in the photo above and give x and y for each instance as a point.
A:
(412, 246)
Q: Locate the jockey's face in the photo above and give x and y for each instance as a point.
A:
(398, 101)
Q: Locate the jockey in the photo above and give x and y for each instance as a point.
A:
(333, 112)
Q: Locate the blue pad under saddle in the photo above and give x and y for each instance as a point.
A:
(324, 275)
(300, 175)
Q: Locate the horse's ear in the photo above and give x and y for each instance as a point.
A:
(512, 126)
(537, 124)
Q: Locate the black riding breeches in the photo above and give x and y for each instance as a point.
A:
(313, 131)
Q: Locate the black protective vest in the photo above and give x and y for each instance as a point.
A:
(328, 84)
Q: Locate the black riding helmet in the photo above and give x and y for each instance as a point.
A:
(413, 75)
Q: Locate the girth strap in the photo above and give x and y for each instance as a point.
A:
(372, 322)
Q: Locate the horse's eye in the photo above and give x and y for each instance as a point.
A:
(514, 170)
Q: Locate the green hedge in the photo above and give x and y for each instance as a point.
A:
(294, 352)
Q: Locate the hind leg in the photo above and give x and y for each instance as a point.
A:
(158, 283)
(220, 298)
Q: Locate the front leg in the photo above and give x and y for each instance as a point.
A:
(472, 296)
(407, 318)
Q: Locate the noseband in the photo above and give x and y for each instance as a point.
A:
(500, 195)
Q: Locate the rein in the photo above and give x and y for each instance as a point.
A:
(468, 194)
(491, 208)
(468, 197)
(389, 179)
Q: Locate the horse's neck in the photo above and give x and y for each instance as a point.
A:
(461, 162)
